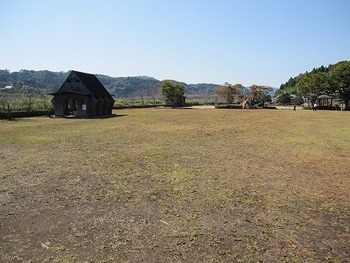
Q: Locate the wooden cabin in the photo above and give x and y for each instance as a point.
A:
(82, 95)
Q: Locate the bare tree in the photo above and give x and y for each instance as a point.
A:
(28, 101)
(30, 94)
(140, 94)
(206, 96)
(155, 94)
(131, 99)
(46, 103)
(6, 106)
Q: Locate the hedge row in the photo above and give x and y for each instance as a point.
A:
(22, 114)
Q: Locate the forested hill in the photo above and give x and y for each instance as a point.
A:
(290, 85)
(48, 81)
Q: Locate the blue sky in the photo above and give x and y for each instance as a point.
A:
(262, 42)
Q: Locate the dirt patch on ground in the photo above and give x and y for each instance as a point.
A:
(203, 107)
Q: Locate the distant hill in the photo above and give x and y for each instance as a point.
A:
(128, 86)
(290, 86)
(48, 81)
(43, 79)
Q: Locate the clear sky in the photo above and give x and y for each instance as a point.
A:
(262, 42)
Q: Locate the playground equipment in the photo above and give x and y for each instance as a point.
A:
(244, 103)
(257, 104)
(250, 102)
(256, 97)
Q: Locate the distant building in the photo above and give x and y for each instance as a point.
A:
(325, 100)
(82, 95)
(6, 88)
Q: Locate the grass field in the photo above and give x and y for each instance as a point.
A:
(165, 185)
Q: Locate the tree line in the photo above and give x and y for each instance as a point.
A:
(231, 93)
(333, 80)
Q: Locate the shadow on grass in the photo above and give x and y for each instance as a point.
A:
(93, 117)
(109, 116)
(8, 119)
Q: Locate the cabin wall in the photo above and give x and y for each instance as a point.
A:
(72, 104)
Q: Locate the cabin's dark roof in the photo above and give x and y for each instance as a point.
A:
(92, 83)
(69, 91)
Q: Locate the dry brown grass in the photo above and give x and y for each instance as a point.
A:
(163, 185)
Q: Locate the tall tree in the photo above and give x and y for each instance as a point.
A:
(260, 93)
(284, 98)
(312, 84)
(340, 80)
(227, 91)
(172, 92)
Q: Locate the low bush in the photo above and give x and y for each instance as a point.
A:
(228, 106)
